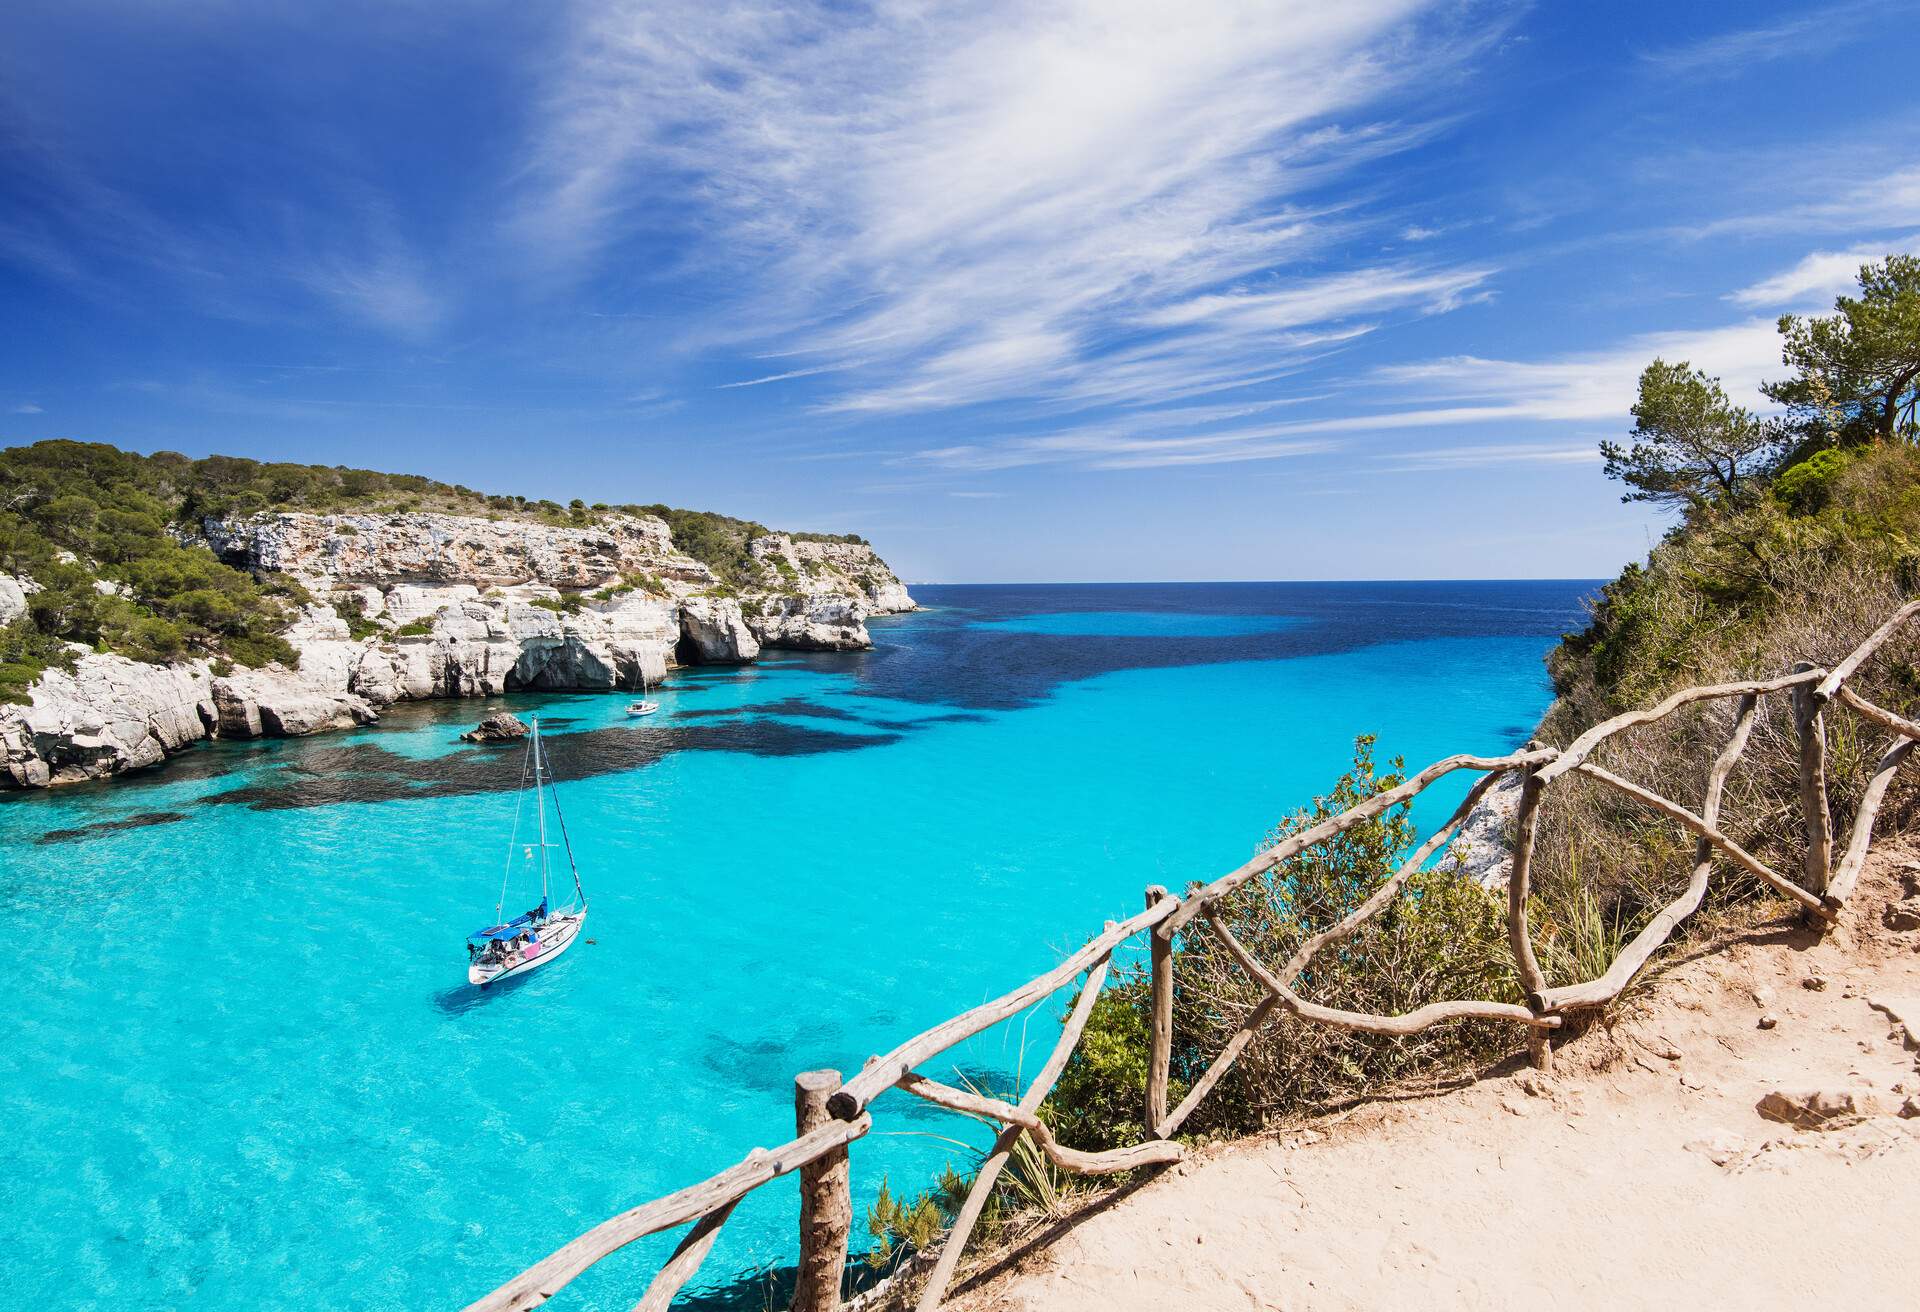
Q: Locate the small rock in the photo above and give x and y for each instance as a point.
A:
(500, 727)
(1902, 915)
(1768, 1021)
(1762, 995)
(1814, 983)
(1910, 1108)
(1720, 1147)
(1819, 1109)
(1904, 1012)
(1663, 1048)
(1534, 1084)
(1692, 1082)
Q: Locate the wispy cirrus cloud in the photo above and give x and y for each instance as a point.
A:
(1821, 276)
(1074, 203)
(1814, 32)
(1399, 402)
(1889, 198)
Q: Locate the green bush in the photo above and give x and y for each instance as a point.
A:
(1442, 938)
(1805, 487)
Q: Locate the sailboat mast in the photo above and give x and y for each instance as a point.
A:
(540, 807)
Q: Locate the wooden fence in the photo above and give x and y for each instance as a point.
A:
(829, 1115)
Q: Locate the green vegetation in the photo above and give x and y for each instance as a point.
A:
(720, 542)
(109, 537)
(650, 584)
(1799, 558)
(1443, 937)
(902, 1226)
(89, 524)
(1857, 371)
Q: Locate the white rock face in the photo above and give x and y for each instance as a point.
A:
(326, 551)
(13, 599)
(111, 714)
(1484, 844)
(446, 606)
(715, 632)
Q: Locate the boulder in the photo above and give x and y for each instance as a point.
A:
(275, 703)
(500, 727)
(818, 621)
(1820, 1109)
(13, 597)
(713, 631)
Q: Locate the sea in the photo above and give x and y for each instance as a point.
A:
(242, 1068)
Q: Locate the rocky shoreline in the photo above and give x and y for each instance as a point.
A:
(407, 607)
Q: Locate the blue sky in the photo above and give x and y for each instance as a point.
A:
(1022, 290)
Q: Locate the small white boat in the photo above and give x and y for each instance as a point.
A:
(643, 706)
(533, 938)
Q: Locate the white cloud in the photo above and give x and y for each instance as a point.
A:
(1439, 394)
(1061, 200)
(1583, 385)
(1888, 200)
(1472, 457)
(782, 377)
(1810, 34)
(27, 408)
(1819, 277)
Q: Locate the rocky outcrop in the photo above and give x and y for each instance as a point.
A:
(715, 632)
(13, 598)
(500, 727)
(1484, 845)
(326, 551)
(110, 714)
(413, 606)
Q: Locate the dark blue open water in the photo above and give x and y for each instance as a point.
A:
(241, 1069)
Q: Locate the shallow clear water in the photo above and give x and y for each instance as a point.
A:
(241, 1068)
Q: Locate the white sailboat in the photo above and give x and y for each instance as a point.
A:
(533, 938)
(643, 706)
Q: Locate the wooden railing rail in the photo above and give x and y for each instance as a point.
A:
(830, 1116)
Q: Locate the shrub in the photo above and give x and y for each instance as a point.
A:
(1805, 487)
(1443, 937)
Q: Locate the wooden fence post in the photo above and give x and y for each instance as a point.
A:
(826, 1201)
(1811, 721)
(1160, 1051)
(1519, 938)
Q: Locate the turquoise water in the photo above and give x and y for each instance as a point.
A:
(242, 1069)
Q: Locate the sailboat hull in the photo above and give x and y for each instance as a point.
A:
(556, 936)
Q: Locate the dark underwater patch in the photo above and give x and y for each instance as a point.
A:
(796, 706)
(98, 827)
(366, 772)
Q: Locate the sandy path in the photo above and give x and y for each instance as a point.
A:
(1639, 1175)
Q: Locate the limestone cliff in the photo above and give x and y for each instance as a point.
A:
(410, 606)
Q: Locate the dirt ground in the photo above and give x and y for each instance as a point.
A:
(1641, 1173)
